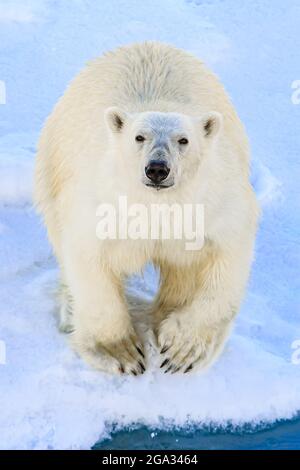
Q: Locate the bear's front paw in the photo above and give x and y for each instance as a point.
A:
(185, 345)
(119, 357)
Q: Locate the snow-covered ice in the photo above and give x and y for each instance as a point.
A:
(48, 397)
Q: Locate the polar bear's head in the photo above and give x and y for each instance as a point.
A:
(161, 150)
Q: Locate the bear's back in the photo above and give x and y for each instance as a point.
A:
(150, 73)
(150, 76)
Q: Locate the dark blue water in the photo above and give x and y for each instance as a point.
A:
(284, 435)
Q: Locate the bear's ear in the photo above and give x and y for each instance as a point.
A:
(115, 118)
(211, 124)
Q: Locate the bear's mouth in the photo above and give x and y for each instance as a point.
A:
(159, 186)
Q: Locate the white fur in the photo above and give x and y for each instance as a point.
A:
(84, 159)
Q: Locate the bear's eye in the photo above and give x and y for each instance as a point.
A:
(140, 138)
(183, 141)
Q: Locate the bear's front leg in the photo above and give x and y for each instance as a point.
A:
(103, 332)
(192, 333)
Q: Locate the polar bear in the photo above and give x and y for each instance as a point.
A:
(148, 121)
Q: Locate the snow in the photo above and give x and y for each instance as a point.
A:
(48, 397)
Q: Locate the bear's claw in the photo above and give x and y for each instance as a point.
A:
(164, 363)
(140, 352)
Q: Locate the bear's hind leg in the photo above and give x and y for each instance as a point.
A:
(177, 289)
(66, 323)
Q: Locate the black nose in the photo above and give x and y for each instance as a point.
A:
(157, 171)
